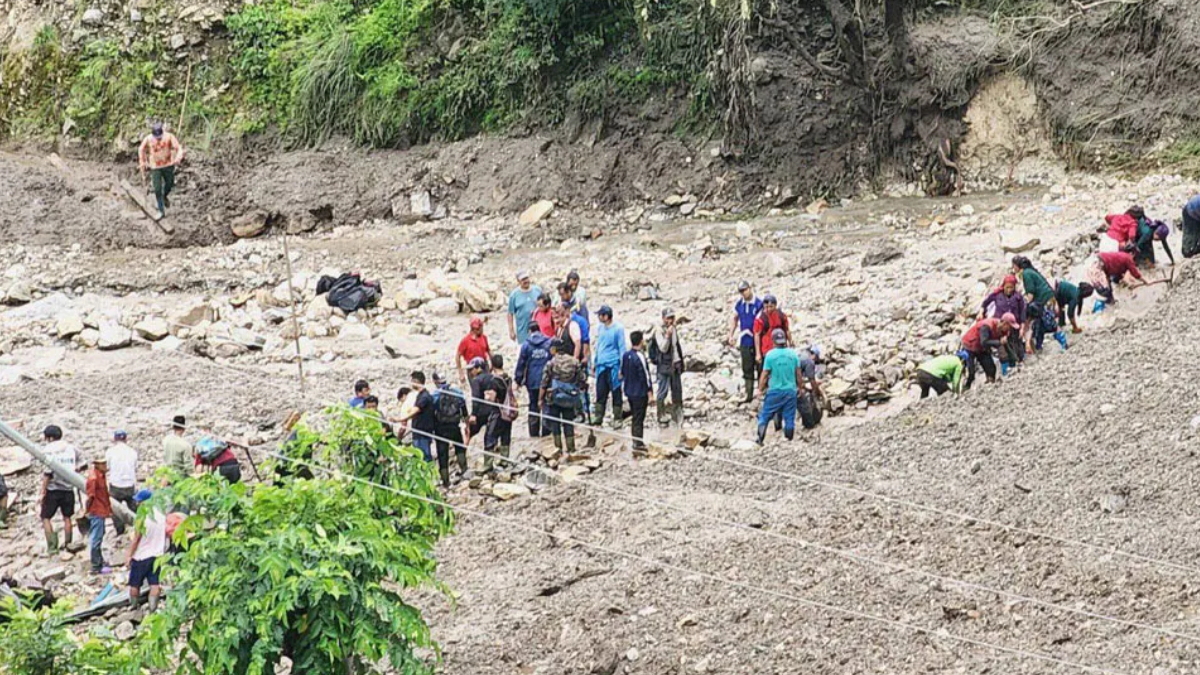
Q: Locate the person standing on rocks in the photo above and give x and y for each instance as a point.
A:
(606, 366)
(497, 437)
(942, 373)
(160, 152)
(421, 417)
(666, 351)
(1006, 300)
(578, 295)
(122, 473)
(543, 316)
(1191, 227)
(474, 345)
(780, 382)
(567, 297)
(568, 331)
(148, 545)
(450, 419)
(564, 382)
(58, 496)
(635, 378)
(982, 338)
(531, 362)
(362, 389)
(177, 452)
(741, 334)
(1069, 299)
(98, 508)
(765, 324)
(521, 305)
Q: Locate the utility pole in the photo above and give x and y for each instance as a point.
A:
(64, 472)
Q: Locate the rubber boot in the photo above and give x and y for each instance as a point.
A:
(749, 391)
(677, 414)
(664, 415)
(762, 434)
(1061, 337)
(591, 439)
(52, 542)
(1098, 306)
(3, 513)
(505, 451)
(460, 455)
(135, 601)
(153, 603)
(569, 441)
(558, 443)
(1003, 369)
(445, 476)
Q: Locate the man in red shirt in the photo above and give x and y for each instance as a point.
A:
(767, 321)
(99, 507)
(473, 346)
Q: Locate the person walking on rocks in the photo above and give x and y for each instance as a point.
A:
(98, 508)
(635, 378)
(148, 545)
(177, 451)
(122, 473)
(982, 338)
(1191, 227)
(474, 345)
(1105, 268)
(160, 152)
(666, 351)
(497, 435)
(1040, 296)
(522, 303)
(606, 366)
(1069, 299)
(421, 417)
(58, 495)
(564, 382)
(531, 362)
(450, 419)
(741, 334)
(780, 382)
(765, 324)
(943, 373)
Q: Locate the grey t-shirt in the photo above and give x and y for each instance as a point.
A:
(68, 456)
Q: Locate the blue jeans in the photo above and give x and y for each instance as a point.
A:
(423, 443)
(775, 402)
(96, 541)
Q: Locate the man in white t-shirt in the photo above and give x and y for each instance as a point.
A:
(147, 546)
(122, 473)
(58, 495)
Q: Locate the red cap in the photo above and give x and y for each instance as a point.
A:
(476, 322)
(1011, 320)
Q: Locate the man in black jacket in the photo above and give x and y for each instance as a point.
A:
(635, 380)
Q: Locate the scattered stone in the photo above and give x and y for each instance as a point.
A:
(169, 343)
(89, 337)
(69, 325)
(113, 336)
(176, 42)
(93, 17)
(152, 329)
(56, 573)
(536, 213)
(881, 253)
(745, 445)
(686, 209)
(694, 438)
(247, 225)
(442, 306)
(14, 460)
(1016, 242)
(816, 206)
(1113, 503)
(506, 491)
(354, 332)
(124, 631)
(573, 473)
(395, 339)
(421, 204)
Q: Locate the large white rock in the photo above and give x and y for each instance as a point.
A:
(169, 343)
(88, 337)
(69, 324)
(442, 306)
(193, 315)
(396, 339)
(476, 297)
(114, 336)
(247, 338)
(152, 328)
(507, 491)
(536, 212)
(354, 332)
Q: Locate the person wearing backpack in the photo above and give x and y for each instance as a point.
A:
(216, 455)
(741, 335)
(450, 417)
(531, 362)
(563, 383)
(501, 411)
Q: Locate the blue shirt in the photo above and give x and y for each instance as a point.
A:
(358, 402)
(610, 345)
(782, 362)
(747, 310)
(585, 328)
(521, 305)
(1193, 207)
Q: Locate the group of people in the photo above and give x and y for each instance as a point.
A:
(1014, 319)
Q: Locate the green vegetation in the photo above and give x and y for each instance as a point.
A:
(37, 642)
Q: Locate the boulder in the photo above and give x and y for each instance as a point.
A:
(395, 339)
(475, 298)
(661, 451)
(114, 336)
(442, 306)
(195, 314)
(92, 17)
(506, 491)
(536, 213)
(124, 631)
(247, 338)
(56, 573)
(69, 325)
(694, 438)
(152, 328)
(88, 337)
(421, 204)
(169, 343)
(14, 460)
(354, 332)
(250, 224)
(19, 293)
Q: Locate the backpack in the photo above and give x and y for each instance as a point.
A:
(209, 448)
(1049, 321)
(449, 407)
(508, 409)
(810, 409)
(349, 292)
(783, 323)
(565, 395)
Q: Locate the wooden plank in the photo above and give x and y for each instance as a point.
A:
(137, 197)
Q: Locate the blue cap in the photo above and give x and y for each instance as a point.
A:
(142, 495)
(769, 299)
(604, 310)
(120, 433)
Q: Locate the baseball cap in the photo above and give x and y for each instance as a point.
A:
(668, 312)
(769, 299)
(477, 362)
(476, 322)
(120, 434)
(156, 129)
(142, 495)
(744, 285)
(605, 310)
(778, 336)
(522, 275)
(438, 379)
(1011, 320)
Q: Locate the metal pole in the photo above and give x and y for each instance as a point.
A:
(287, 258)
(66, 473)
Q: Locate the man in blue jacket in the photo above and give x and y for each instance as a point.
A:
(608, 349)
(635, 376)
(535, 354)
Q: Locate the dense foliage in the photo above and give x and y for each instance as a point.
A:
(38, 642)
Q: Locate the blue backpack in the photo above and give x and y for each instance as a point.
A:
(565, 395)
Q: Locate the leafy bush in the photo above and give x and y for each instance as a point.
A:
(37, 642)
(309, 568)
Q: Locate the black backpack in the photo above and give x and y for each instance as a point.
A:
(449, 407)
(349, 292)
(810, 409)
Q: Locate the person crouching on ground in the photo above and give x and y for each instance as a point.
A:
(780, 383)
(148, 546)
(942, 373)
(1069, 299)
(1006, 300)
(982, 338)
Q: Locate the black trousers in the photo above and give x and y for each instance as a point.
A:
(606, 389)
(230, 471)
(453, 435)
(562, 421)
(985, 361)
(637, 411)
(1191, 235)
(751, 368)
(537, 425)
(929, 381)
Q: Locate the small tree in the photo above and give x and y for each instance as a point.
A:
(38, 642)
(308, 568)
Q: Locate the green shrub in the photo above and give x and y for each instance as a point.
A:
(38, 642)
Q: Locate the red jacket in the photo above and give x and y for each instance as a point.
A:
(1122, 227)
(764, 325)
(1116, 265)
(973, 339)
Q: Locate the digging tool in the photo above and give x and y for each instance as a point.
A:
(137, 197)
(249, 458)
